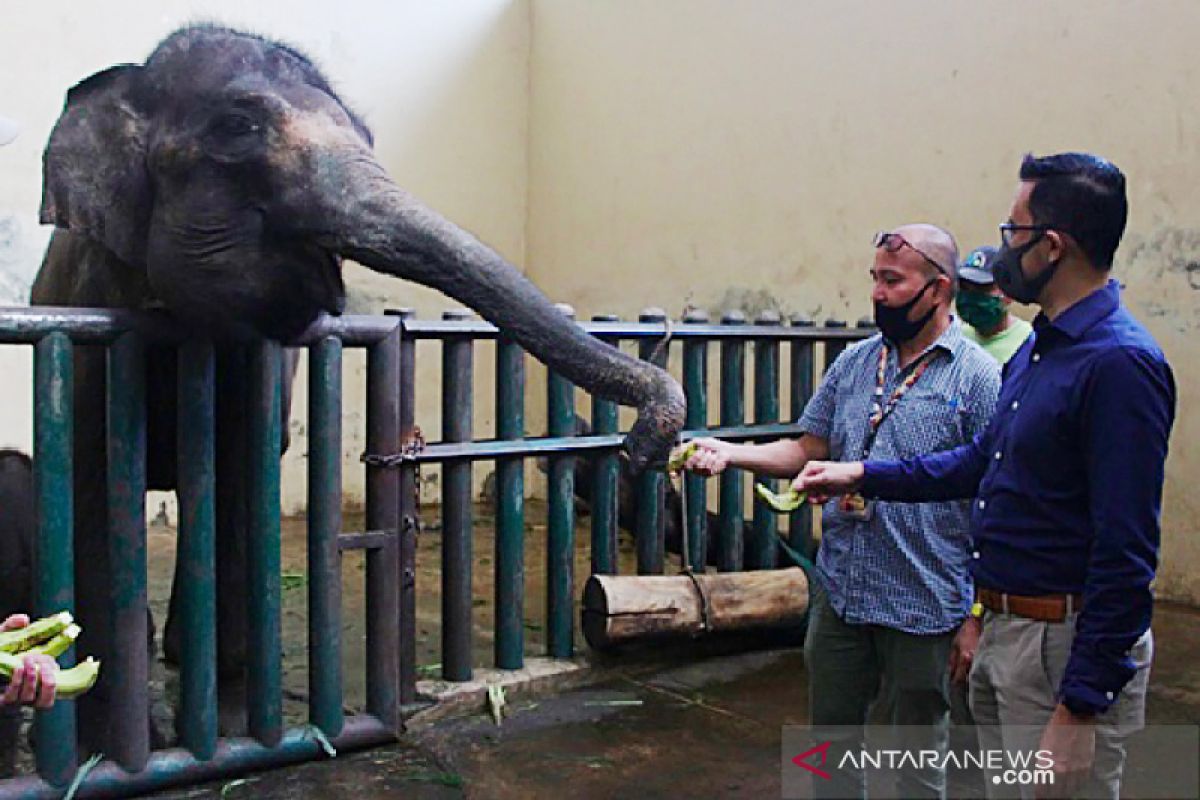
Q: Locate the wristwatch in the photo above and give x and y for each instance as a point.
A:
(977, 610)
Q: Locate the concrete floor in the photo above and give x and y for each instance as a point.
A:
(710, 728)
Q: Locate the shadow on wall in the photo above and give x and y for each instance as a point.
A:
(22, 243)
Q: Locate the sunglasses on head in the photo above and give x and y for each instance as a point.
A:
(893, 242)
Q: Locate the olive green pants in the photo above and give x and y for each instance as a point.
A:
(847, 665)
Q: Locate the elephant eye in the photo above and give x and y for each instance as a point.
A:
(235, 125)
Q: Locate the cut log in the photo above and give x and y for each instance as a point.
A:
(622, 608)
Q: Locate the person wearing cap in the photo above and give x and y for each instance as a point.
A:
(33, 682)
(1067, 483)
(984, 308)
(892, 585)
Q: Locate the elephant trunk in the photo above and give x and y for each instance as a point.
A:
(390, 232)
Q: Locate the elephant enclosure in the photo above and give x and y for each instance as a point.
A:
(162, 543)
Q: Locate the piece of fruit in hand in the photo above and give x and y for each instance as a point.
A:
(782, 502)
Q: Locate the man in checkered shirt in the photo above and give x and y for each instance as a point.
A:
(893, 584)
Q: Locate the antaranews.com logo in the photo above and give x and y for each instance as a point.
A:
(1163, 761)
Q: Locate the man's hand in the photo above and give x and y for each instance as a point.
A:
(825, 479)
(711, 456)
(962, 651)
(34, 682)
(1071, 741)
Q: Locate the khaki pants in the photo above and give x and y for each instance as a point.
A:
(1013, 688)
(846, 666)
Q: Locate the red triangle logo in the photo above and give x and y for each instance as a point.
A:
(802, 759)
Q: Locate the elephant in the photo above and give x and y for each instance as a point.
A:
(223, 181)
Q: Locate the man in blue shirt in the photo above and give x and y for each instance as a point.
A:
(1068, 484)
(893, 580)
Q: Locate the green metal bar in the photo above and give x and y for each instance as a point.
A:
(834, 347)
(695, 387)
(129, 664)
(234, 756)
(410, 520)
(457, 407)
(650, 520)
(606, 470)
(53, 480)
(384, 572)
(761, 550)
(729, 504)
(264, 672)
(560, 545)
(510, 508)
(197, 551)
(324, 526)
(800, 521)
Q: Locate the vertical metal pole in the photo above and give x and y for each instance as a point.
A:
(383, 514)
(510, 508)
(410, 521)
(834, 347)
(128, 674)
(53, 481)
(729, 507)
(560, 545)
(264, 670)
(605, 473)
(762, 550)
(650, 528)
(324, 526)
(695, 387)
(197, 550)
(456, 506)
(800, 521)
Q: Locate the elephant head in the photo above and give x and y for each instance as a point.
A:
(230, 180)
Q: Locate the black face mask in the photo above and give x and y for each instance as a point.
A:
(893, 322)
(1011, 278)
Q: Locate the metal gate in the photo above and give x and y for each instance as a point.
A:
(394, 454)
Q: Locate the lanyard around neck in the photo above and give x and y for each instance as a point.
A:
(880, 410)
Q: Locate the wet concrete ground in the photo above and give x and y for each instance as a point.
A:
(709, 728)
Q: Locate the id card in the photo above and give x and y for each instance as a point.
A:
(855, 506)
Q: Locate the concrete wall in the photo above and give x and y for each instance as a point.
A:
(443, 87)
(718, 153)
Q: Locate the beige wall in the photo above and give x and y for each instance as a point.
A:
(712, 152)
(701, 151)
(443, 85)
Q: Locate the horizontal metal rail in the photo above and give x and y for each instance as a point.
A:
(799, 330)
(484, 449)
(234, 756)
(28, 324)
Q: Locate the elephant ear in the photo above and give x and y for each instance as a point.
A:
(94, 176)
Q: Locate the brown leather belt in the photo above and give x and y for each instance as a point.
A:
(1045, 608)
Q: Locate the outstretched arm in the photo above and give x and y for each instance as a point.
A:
(949, 475)
(781, 459)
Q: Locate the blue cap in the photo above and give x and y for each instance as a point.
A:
(977, 266)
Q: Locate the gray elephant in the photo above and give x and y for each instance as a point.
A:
(224, 181)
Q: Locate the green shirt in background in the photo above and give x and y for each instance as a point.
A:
(1001, 346)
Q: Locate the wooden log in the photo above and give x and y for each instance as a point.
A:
(621, 608)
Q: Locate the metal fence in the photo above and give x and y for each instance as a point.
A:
(394, 455)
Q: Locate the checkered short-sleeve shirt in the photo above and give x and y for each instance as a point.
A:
(907, 566)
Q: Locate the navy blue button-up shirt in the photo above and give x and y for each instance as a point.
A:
(1068, 482)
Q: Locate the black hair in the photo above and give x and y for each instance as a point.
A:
(1082, 195)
